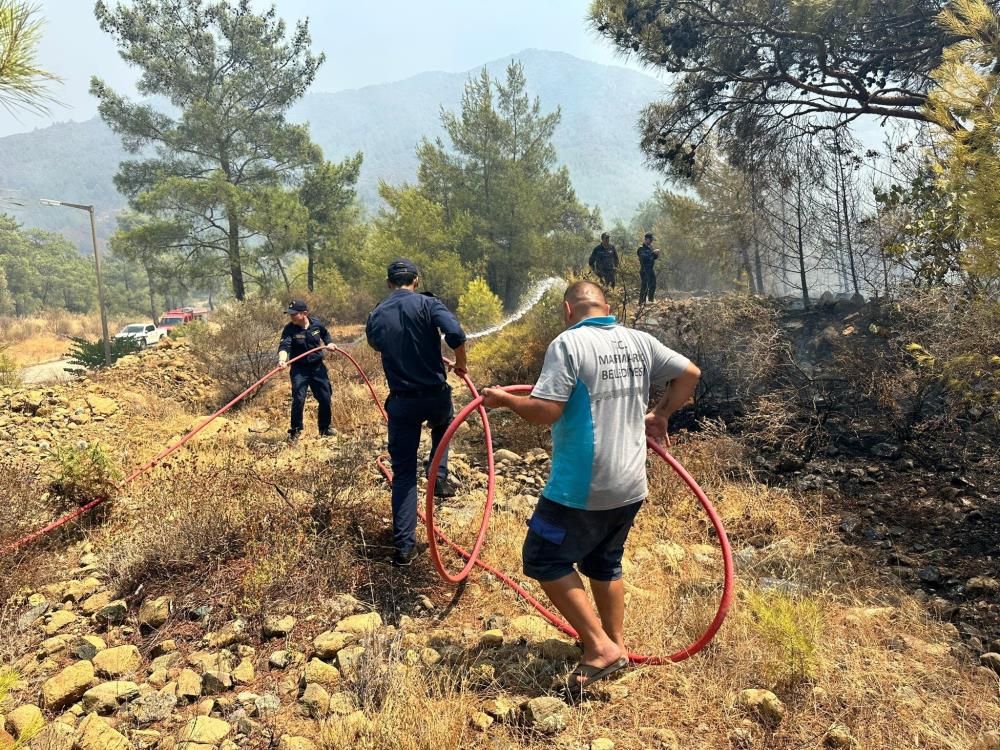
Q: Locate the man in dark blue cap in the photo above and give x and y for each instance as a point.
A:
(405, 328)
(648, 256)
(302, 333)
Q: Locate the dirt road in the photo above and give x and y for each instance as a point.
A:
(48, 372)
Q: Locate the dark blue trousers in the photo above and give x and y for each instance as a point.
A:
(316, 378)
(406, 418)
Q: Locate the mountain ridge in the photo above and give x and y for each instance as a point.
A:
(597, 138)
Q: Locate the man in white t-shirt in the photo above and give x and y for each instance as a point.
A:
(594, 390)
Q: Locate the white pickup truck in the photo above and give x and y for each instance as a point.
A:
(144, 334)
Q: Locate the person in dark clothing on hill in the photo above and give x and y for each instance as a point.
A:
(302, 333)
(604, 261)
(405, 328)
(648, 255)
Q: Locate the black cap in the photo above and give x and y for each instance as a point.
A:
(401, 267)
(649, 236)
(297, 306)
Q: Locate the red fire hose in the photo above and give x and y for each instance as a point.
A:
(434, 533)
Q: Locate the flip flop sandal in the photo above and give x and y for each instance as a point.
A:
(592, 674)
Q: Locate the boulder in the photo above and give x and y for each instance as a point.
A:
(347, 658)
(154, 612)
(762, 704)
(101, 406)
(188, 686)
(532, 627)
(59, 620)
(205, 730)
(327, 644)
(95, 734)
(322, 673)
(315, 701)
(215, 682)
(25, 721)
(480, 721)
(68, 686)
(106, 697)
(602, 743)
(55, 736)
(118, 661)
(838, 737)
(359, 623)
(991, 660)
(113, 612)
(278, 627)
(546, 714)
(244, 673)
(230, 633)
(96, 602)
(152, 708)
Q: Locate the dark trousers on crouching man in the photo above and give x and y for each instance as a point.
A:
(407, 412)
(305, 378)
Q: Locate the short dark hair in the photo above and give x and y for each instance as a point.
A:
(402, 278)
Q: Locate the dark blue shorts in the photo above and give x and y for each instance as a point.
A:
(560, 537)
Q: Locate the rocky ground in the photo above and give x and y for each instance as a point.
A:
(397, 661)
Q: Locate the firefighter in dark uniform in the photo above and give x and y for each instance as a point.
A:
(604, 261)
(648, 256)
(302, 333)
(405, 328)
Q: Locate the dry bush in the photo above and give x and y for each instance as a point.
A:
(51, 322)
(241, 345)
(10, 372)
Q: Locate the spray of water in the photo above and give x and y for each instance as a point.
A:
(531, 298)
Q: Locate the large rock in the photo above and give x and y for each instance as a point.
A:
(322, 674)
(327, 644)
(113, 612)
(278, 627)
(360, 623)
(58, 621)
(94, 734)
(991, 661)
(763, 704)
(532, 627)
(97, 602)
(106, 697)
(229, 634)
(546, 714)
(25, 721)
(56, 736)
(152, 708)
(118, 661)
(315, 700)
(68, 686)
(154, 612)
(188, 686)
(205, 730)
(101, 406)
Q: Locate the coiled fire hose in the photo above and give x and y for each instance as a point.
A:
(433, 532)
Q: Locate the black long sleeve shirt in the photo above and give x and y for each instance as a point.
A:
(296, 340)
(405, 328)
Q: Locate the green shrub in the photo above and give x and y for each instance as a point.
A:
(791, 628)
(10, 373)
(85, 473)
(479, 307)
(89, 355)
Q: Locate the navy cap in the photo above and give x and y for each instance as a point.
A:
(297, 306)
(401, 266)
(649, 236)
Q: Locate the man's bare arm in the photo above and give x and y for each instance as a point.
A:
(529, 408)
(679, 393)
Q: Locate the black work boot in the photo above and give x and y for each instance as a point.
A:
(443, 488)
(405, 559)
(293, 435)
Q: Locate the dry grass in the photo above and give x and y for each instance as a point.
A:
(48, 325)
(253, 525)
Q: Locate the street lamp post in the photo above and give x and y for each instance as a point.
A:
(97, 266)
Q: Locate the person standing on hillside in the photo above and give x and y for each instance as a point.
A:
(405, 328)
(302, 333)
(593, 390)
(604, 261)
(648, 256)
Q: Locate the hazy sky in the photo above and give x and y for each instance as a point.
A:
(363, 46)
